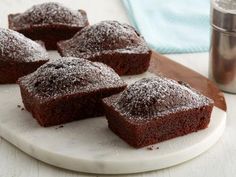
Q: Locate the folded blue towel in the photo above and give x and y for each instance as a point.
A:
(172, 26)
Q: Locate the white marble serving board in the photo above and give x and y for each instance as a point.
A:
(89, 146)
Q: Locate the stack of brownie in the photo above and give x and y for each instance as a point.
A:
(85, 82)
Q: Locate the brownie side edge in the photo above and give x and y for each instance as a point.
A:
(11, 71)
(122, 63)
(66, 108)
(140, 134)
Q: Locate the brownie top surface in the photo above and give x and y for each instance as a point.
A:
(17, 48)
(49, 13)
(69, 76)
(155, 97)
(105, 36)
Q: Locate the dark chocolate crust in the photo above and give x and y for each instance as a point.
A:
(19, 56)
(152, 113)
(51, 31)
(68, 89)
(118, 45)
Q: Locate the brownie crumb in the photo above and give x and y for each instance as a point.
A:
(150, 148)
(19, 106)
(61, 126)
(22, 109)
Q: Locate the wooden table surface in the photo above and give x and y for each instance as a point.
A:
(219, 161)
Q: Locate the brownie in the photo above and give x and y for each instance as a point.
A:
(19, 56)
(49, 22)
(118, 45)
(68, 89)
(156, 109)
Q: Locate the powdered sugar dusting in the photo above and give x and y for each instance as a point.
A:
(67, 76)
(16, 47)
(157, 96)
(105, 36)
(49, 13)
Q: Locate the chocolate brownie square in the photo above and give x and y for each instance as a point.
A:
(118, 45)
(49, 22)
(19, 56)
(156, 109)
(68, 89)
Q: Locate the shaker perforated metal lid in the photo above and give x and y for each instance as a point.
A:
(224, 15)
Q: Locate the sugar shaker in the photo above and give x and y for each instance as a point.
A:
(222, 66)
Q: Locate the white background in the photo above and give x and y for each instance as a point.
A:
(219, 161)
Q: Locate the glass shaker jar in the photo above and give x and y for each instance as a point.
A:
(222, 66)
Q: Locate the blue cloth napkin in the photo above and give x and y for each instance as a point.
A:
(172, 26)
